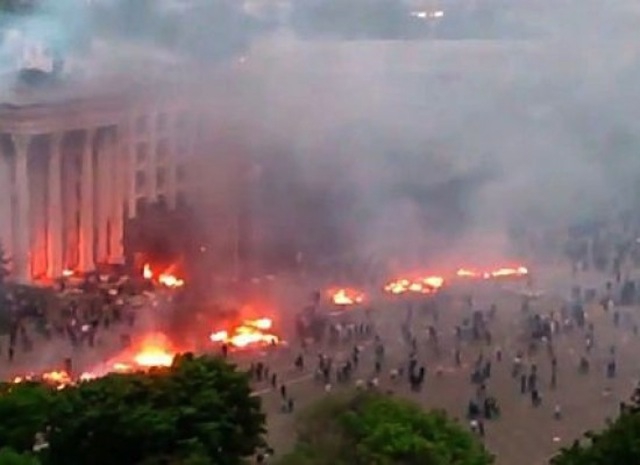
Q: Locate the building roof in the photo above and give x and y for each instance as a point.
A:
(76, 103)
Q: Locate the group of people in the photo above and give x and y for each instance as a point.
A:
(72, 324)
(554, 331)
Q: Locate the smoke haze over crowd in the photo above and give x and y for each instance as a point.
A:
(407, 149)
(441, 148)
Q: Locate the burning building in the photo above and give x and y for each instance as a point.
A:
(76, 163)
(102, 122)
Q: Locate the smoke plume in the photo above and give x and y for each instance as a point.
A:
(431, 149)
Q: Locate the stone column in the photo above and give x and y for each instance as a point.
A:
(22, 231)
(116, 216)
(129, 161)
(86, 204)
(173, 155)
(152, 163)
(6, 202)
(105, 179)
(54, 208)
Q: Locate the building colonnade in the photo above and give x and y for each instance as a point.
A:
(68, 192)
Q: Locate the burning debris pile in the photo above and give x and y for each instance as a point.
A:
(167, 278)
(345, 297)
(504, 272)
(248, 333)
(421, 285)
(154, 350)
(432, 284)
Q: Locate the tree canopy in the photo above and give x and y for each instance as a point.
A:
(11, 457)
(200, 410)
(375, 429)
(618, 443)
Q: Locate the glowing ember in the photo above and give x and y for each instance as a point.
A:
(423, 285)
(248, 333)
(146, 272)
(120, 367)
(57, 378)
(346, 297)
(465, 273)
(166, 278)
(505, 272)
(169, 280)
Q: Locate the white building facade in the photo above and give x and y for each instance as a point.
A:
(72, 171)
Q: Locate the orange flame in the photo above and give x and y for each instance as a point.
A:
(503, 272)
(154, 350)
(423, 285)
(170, 280)
(248, 333)
(147, 273)
(166, 278)
(57, 377)
(346, 297)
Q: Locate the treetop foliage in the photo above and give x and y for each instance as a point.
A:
(618, 444)
(375, 429)
(200, 410)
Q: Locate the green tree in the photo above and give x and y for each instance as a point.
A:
(375, 429)
(200, 410)
(11, 457)
(24, 411)
(618, 443)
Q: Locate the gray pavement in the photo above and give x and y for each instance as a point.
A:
(524, 435)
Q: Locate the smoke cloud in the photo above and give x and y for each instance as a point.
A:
(411, 137)
(428, 150)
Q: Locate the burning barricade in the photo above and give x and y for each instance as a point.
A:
(497, 273)
(421, 285)
(432, 284)
(247, 334)
(345, 297)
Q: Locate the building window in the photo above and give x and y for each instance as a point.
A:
(141, 206)
(142, 151)
(141, 125)
(141, 181)
(163, 149)
(161, 178)
(162, 203)
(181, 173)
(162, 122)
(181, 200)
(182, 148)
(182, 122)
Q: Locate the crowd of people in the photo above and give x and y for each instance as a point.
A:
(546, 342)
(500, 342)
